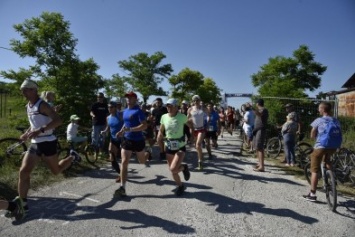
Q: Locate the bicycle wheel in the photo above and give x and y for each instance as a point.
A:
(11, 149)
(307, 172)
(91, 154)
(273, 147)
(331, 190)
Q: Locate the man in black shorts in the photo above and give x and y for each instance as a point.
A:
(134, 123)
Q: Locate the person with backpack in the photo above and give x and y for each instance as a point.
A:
(326, 131)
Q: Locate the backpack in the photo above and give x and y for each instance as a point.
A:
(331, 137)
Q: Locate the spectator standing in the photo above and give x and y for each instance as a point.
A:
(259, 133)
(157, 112)
(99, 112)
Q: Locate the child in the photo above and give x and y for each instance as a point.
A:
(72, 130)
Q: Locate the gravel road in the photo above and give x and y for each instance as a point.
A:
(227, 198)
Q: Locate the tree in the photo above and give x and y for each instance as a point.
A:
(116, 86)
(185, 84)
(209, 92)
(145, 73)
(288, 77)
(48, 40)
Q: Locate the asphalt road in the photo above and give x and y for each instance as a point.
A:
(227, 198)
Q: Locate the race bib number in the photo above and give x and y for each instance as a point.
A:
(210, 128)
(173, 145)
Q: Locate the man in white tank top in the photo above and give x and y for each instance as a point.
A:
(43, 120)
(196, 114)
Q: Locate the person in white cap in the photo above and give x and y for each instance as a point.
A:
(196, 115)
(172, 128)
(72, 130)
(43, 120)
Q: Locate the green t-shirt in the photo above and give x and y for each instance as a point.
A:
(174, 127)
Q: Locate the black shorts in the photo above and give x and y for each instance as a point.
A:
(173, 152)
(43, 148)
(211, 134)
(149, 133)
(116, 143)
(131, 145)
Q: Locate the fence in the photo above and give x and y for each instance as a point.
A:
(308, 111)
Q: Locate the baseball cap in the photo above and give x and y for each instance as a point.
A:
(74, 117)
(172, 101)
(131, 94)
(184, 102)
(196, 97)
(30, 84)
(288, 105)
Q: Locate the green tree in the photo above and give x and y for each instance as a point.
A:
(145, 73)
(288, 77)
(186, 83)
(116, 86)
(209, 91)
(48, 40)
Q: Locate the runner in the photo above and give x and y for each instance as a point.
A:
(196, 114)
(157, 112)
(213, 128)
(43, 120)
(172, 125)
(114, 124)
(133, 139)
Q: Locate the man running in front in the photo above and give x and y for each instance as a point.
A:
(134, 123)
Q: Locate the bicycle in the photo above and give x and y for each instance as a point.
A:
(89, 151)
(343, 165)
(329, 184)
(274, 146)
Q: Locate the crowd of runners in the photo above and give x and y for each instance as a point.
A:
(135, 129)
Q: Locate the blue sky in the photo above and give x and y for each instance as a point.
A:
(226, 40)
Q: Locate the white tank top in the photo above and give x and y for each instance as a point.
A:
(197, 116)
(38, 120)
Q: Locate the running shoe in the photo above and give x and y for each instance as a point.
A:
(121, 192)
(180, 190)
(310, 198)
(200, 166)
(19, 212)
(186, 172)
(77, 158)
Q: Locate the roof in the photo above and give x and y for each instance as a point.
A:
(350, 83)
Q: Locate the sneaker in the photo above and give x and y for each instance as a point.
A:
(200, 167)
(186, 173)
(19, 212)
(77, 158)
(310, 198)
(121, 192)
(210, 156)
(180, 190)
